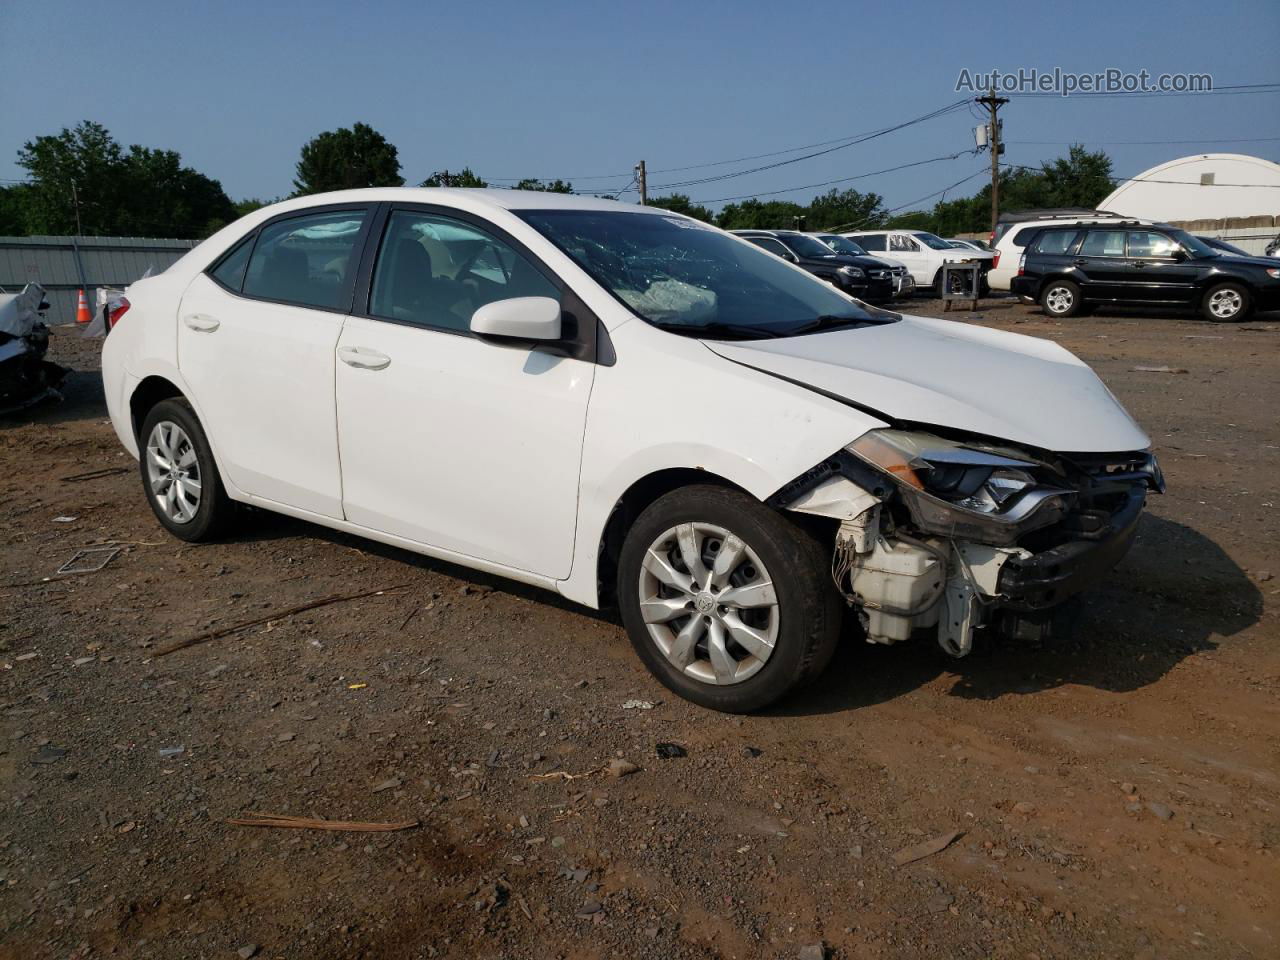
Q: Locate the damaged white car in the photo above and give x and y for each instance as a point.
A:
(625, 405)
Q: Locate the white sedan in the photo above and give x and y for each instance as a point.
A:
(625, 406)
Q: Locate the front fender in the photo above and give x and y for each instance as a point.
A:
(671, 403)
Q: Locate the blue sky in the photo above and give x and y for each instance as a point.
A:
(573, 90)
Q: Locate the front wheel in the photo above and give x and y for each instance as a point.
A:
(1226, 303)
(1060, 298)
(727, 603)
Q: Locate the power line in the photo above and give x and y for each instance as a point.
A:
(1051, 143)
(846, 227)
(941, 111)
(1231, 90)
(827, 183)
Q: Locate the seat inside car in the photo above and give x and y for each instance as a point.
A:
(285, 275)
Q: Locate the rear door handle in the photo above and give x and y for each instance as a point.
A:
(363, 358)
(201, 322)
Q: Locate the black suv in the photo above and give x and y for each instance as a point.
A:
(1065, 268)
(866, 278)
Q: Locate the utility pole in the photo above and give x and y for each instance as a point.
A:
(993, 105)
(644, 183)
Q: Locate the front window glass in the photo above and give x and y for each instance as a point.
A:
(773, 246)
(843, 245)
(872, 241)
(1103, 243)
(804, 246)
(1143, 243)
(1197, 247)
(937, 243)
(687, 277)
(902, 243)
(436, 272)
(307, 260)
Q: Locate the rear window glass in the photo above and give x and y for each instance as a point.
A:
(872, 241)
(230, 272)
(306, 260)
(1025, 236)
(1056, 241)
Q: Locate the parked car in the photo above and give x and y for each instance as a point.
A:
(623, 404)
(921, 252)
(859, 276)
(1012, 235)
(1228, 249)
(903, 283)
(968, 244)
(1066, 269)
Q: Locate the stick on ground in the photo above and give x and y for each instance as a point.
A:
(278, 615)
(311, 823)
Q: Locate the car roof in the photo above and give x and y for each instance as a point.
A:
(469, 196)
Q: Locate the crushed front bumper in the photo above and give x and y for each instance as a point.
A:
(1043, 580)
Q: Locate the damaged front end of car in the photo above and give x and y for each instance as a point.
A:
(955, 535)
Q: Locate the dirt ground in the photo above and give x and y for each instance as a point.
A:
(1116, 793)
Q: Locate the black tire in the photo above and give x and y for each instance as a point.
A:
(1064, 297)
(215, 510)
(1221, 294)
(935, 288)
(809, 610)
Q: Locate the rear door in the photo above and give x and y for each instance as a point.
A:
(1049, 254)
(256, 339)
(1160, 271)
(1100, 265)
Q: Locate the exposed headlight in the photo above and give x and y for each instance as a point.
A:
(853, 273)
(969, 479)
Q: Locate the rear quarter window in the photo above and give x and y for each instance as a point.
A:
(1025, 236)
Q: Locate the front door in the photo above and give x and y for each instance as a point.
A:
(256, 339)
(910, 252)
(447, 439)
(1159, 269)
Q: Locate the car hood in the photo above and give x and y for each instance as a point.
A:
(1000, 385)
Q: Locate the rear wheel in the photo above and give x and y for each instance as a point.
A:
(727, 603)
(179, 475)
(1226, 303)
(1060, 298)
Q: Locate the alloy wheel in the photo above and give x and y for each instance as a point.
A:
(709, 603)
(1059, 299)
(173, 471)
(1225, 304)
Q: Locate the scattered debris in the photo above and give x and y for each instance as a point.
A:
(248, 951)
(1128, 788)
(814, 951)
(169, 752)
(279, 615)
(49, 754)
(621, 768)
(1024, 809)
(311, 823)
(926, 848)
(563, 775)
(638, 705)
(669, 751)
(938, 902)
(65, 519)
(393, 784)
(89, 560)
(95, 474)
(524, 907)
(589, 908)
(1160, 810)
(1263, 576)
(752, 752)
(356, 686)
(1159, 370)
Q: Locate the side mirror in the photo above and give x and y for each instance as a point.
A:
(1178, 254)
(520, 318)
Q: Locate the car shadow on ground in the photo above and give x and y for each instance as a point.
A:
(82, 399)
(1176, 594)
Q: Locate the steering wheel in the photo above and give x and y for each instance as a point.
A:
(465, 269)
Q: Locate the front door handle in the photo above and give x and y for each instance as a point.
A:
(1140, 263)
(1079, 262)
(363, 358)
(201, 322)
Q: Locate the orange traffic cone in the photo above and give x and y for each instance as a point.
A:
(82, 309)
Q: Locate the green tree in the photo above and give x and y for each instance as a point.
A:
(1080, 179)
(344, 159)
(464, 178)
(680, 203)
(545, 186)
(250, 204)
(757, 215)
(841, 207)
(83, 179)
(15, 202)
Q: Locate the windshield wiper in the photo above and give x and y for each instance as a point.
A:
(829, 321)
(716, 329)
